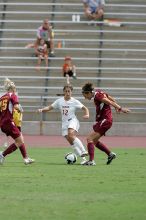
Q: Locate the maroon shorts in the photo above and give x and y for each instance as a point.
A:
(102, 126)
(10, 129)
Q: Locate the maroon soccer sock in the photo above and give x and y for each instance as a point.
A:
(90, 147)
(102, 147)
(23, 151)
(10, 149)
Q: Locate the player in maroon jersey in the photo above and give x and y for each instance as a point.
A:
(103, 103)
(9, 102)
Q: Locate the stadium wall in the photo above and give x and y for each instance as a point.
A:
(54, 128)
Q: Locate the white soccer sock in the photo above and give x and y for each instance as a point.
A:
(77, 143)
(76, 150)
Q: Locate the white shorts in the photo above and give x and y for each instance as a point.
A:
(73, 123)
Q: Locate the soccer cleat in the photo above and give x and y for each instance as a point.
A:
(83, 161)
(2, 158)
(28, 161)
(89, 163)
(84, 153)
(111, 157)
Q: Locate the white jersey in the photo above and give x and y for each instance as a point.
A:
(67, 108)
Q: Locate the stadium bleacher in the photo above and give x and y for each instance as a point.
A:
(112, 57)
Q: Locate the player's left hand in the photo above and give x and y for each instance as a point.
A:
(125, 110)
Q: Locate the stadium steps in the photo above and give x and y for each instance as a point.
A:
(79, 53)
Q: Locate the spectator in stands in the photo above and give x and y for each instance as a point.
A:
(45, 32)
(41, 51)
(68, 69)
(8, 103)
(94, 9)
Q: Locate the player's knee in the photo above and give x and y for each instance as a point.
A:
(18, 144)
(19, 141)
(89, 139)
(70, 137)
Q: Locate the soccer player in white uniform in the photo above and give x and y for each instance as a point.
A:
(70, 124)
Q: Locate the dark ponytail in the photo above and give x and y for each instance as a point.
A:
(88, 87)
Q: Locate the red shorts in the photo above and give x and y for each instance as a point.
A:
(10, 129)
(102, 126)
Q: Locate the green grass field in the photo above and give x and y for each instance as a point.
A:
(53, 190)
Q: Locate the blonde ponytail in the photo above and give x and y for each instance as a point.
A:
(9, 85)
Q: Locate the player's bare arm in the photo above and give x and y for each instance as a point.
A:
(111, 98)
(45, 109)
(118, 108)
(86, 112)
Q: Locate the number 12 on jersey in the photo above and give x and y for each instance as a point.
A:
(65, 112)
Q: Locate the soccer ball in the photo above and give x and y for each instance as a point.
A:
(70, 158)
